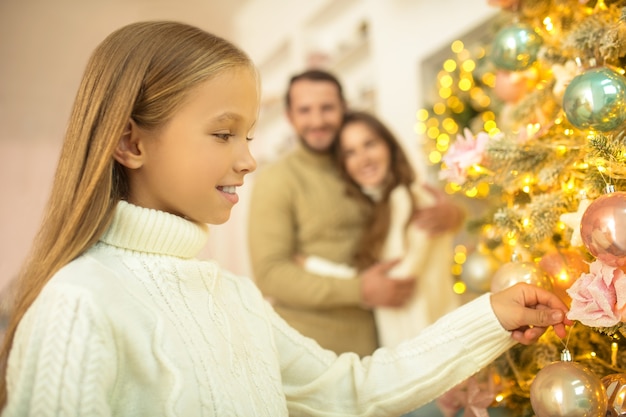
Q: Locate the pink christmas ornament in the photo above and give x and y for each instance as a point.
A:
(615, 385)
(563, 266)
(510, 85)
(603, 228)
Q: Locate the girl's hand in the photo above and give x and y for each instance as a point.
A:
(528, 311)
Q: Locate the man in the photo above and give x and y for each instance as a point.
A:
(299, 206)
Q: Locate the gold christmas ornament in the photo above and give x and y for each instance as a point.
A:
(567, 389)
(515, 271)
(478, 270)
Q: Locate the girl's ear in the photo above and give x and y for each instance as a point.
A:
(129, 150)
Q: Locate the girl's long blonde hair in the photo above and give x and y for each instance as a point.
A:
(141, 71)
(401, 174)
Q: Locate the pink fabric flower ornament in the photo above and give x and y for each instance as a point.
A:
(463, 153)
(599, 297)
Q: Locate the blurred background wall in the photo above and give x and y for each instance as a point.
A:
(375, 46)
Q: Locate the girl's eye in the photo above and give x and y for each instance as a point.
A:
(223, 136)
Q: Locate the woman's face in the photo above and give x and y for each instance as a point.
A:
(366, 156)
(193, 164)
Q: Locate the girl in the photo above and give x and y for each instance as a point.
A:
(116, 316)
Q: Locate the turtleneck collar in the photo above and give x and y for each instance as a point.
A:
(157, 232)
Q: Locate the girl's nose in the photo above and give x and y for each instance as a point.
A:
(245, 162)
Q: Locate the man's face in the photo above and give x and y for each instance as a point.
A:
(316, 113)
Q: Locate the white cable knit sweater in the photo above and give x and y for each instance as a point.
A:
(138, 327)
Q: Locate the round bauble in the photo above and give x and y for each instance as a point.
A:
(603, 228)
(567, 389)
(511, 273)
(477, 271)
(596, 99)
(615, 385)
(515, 47)
(509, 86)
(563, 266)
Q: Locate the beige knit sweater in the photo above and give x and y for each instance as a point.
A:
(299, 206)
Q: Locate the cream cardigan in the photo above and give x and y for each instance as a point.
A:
(137, 326)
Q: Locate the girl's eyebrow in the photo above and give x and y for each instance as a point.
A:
(228, 116)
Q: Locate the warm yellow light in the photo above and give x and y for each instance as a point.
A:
(484, 101)
(465, 84)
(483, 189)
(445, 92)
(439, 108)
(452, 188)
(442, 146)
(422, 114)
(446, 81)
(460, 257)
(449, 124)
(459, 287)
(460, 248)
(420, 128)
(488, 115)
(460, 108)
(472, 192)
(531, 129)
(453, 101)
(432, 132)
(561, 149)
(547, 23)
(457, 46)
(511, 238)
(468, 65)
(434, 157)
(489, 79)
(489, 125)
(443, 139)
(449, 65)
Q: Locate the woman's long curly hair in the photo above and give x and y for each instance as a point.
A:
(401, 174)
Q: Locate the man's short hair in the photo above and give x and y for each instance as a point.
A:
(314, 75)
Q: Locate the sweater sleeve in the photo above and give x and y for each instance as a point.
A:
(62, 361)
(272, 234)
(392, 381)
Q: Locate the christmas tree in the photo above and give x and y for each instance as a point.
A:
(532, 125)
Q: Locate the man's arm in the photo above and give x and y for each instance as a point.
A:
(272, 238)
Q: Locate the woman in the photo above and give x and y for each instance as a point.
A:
(404, 226)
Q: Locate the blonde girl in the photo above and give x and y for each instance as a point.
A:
(115, 315)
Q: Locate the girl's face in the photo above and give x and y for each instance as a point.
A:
(193, 164)
(366, 156)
